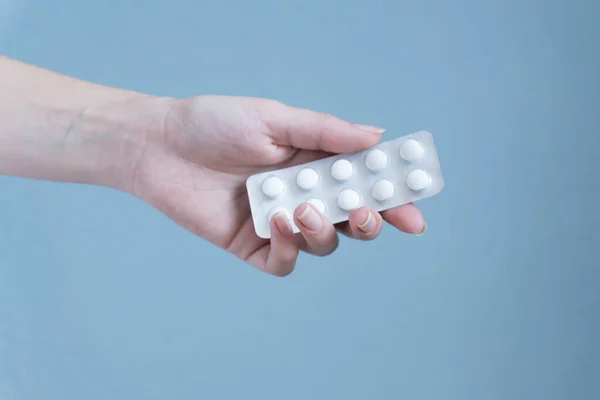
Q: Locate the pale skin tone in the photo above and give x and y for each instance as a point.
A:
(188, 158)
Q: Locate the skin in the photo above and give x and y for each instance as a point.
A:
(189, 158)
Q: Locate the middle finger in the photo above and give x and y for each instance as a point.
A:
(318, 232)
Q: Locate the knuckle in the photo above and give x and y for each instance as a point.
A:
(281, 272)
(328, 249)
(272, 104)
(323, 137)
(270, 112)
(284, 262)
(283, 267)
(327, 117)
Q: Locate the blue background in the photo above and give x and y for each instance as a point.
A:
(102, 297)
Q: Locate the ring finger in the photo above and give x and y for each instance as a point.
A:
(362, 224)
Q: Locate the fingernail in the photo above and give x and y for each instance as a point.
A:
(369, 225)
(370, 129)
(282, 224)
(423, 230)
(310, 219)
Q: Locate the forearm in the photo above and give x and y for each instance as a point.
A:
(53, 127)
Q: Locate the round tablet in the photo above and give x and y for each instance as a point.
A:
(348, 199)
(341, 170)
(272, 186)
(418, 180)
(411, 150)
(318, 204)
(383, 190)
(307, 178)
(376, 160)
(278, 209)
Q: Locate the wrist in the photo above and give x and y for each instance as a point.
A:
(57, 128)
(111, 142)
(101, 144)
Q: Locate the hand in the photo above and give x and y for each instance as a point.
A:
(195, 173)
(188, 158)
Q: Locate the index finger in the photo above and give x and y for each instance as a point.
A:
(313, 130)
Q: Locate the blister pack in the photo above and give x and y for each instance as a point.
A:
(387, 175)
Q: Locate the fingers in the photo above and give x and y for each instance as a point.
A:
(363, 224)
(406, 218)
(312, 130)
(284, 250)
(320, 236)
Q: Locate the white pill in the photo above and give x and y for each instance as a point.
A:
(411, 150)
(383, 190)
(272, 186)
(341, 170)
(348, 199)
(318, 204)
(418, 180)
(376, 160)
(278, 209)
(307, 178)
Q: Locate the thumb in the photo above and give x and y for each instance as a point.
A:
(313, 130)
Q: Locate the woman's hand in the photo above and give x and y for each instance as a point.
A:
(188, 158)
(194, 170)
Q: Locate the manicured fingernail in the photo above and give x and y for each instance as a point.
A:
(283, 225)
(423, 230)
(369, 225)
(310, 219)
(370, 129)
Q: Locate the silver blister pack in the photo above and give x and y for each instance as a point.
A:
(387, 175)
